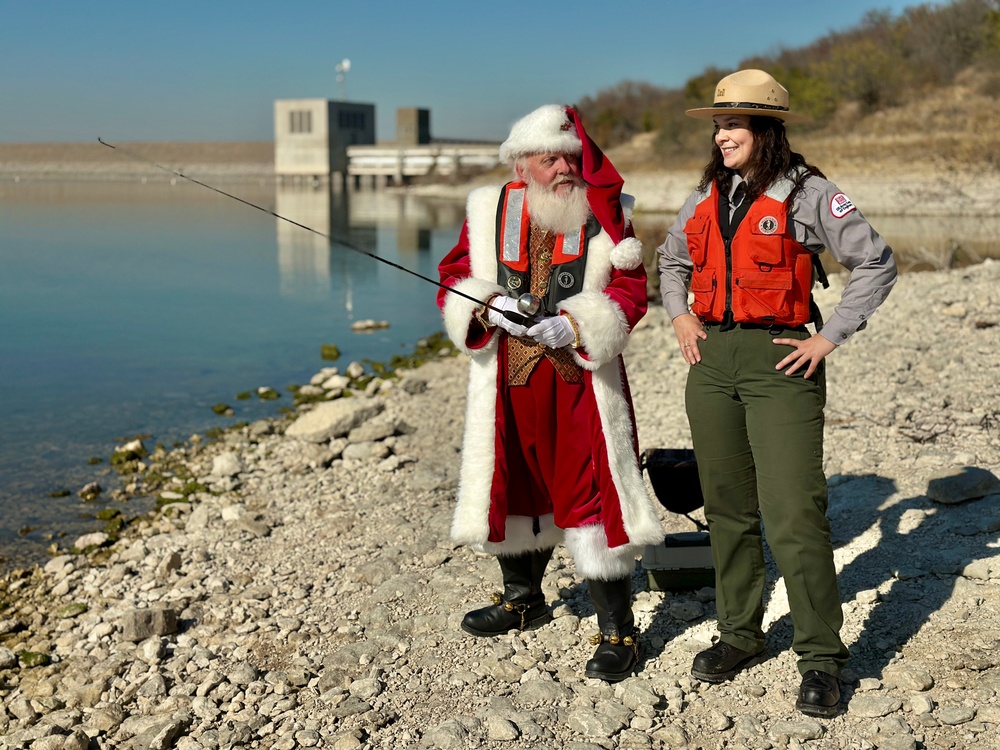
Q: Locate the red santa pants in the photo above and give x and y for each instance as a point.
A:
(546, 460)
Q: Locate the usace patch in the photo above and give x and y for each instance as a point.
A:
(840, 205)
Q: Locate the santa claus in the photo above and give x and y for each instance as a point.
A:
(550, 451)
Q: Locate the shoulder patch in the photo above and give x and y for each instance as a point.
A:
(841, 205)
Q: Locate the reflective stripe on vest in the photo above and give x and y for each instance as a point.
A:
(514, 233)
(514, 228)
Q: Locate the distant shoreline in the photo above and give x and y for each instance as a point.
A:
(891, 189)
(93, 161)
(91, 152)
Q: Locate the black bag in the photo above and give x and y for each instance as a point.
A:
(673, 472)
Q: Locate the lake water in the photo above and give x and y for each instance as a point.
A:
(131, 309)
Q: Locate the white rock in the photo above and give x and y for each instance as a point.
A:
(226, 465)
(233, 512)
(336, 382)
(332, 419)
(96, 538)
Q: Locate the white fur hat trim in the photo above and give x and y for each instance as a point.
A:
(546, 130)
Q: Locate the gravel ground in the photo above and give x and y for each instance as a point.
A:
(300, 589)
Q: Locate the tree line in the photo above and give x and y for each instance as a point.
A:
(884, 61)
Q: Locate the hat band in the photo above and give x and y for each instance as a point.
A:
(749, 105)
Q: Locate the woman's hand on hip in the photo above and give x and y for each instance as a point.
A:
(689, 330)
(810, 351)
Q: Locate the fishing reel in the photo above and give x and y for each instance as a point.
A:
(528, 306)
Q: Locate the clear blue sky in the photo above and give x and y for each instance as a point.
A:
(210, 70)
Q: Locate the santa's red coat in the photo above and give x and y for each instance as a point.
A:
(612, 301)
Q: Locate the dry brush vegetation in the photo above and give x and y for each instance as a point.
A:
(922, 87)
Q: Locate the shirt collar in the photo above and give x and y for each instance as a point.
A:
(738, 183)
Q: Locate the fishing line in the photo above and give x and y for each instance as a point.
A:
(137, 157)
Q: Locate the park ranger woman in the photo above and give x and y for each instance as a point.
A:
(746, 244)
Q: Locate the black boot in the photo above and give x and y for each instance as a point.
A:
(522, 604)
(722, 662)
(819, 694)
(617, 653)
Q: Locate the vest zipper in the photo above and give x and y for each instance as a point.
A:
(727, 316)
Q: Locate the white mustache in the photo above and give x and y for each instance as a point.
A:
(564, 181)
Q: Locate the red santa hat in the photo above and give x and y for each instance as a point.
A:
(604, 184)
(554, 128)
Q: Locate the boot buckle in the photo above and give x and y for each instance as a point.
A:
(614, 639)
(521, 609)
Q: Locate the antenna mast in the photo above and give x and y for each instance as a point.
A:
(342, 67)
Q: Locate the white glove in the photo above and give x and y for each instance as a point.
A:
(502, 302)
(555, 332)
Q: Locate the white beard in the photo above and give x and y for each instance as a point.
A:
(557, 213)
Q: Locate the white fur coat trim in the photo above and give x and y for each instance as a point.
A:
(594, 559)
(471, 523)
(520, 536)
(458, 310)
(603, 328)
(639, 516)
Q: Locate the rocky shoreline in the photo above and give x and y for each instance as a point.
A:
(298, 587)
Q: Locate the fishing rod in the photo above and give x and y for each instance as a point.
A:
(527, 304)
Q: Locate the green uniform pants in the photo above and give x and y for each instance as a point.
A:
(758, 439)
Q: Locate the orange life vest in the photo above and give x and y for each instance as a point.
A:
(765, 277)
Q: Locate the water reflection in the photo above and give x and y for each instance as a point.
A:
(315, 264)
(304, 256)
(133, 309)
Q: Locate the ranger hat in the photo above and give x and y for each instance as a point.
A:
(749, 92)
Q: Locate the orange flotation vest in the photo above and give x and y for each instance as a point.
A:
(763, 276)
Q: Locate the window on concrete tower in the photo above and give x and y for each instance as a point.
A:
(300, 121)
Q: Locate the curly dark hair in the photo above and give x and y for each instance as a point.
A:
(772, 157)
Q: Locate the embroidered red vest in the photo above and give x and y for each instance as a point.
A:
(767, 276)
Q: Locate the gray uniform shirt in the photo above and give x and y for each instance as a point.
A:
(819, 221)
